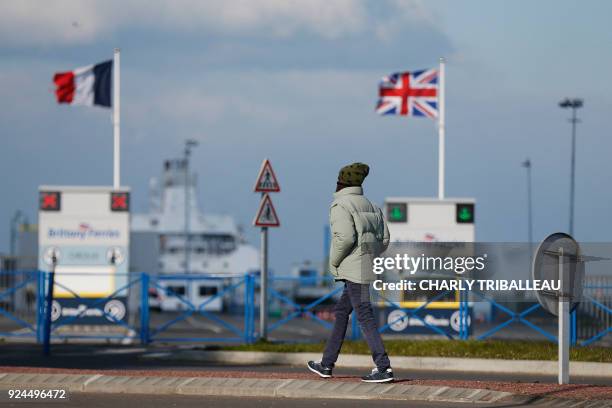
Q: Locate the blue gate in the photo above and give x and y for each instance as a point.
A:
(187, 303)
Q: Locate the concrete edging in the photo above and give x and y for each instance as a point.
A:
(251, 387)
(464, 365)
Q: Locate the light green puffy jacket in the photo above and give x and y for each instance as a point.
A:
(355, 221)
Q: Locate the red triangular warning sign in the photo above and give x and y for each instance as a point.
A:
(266, 214)
(266, 181)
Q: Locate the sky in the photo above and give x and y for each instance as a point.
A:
(296, 82)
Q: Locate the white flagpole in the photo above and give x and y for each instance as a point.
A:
(116, 121)
(441, 130)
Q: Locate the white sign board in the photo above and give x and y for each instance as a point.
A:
(413, 219)
(88, 230)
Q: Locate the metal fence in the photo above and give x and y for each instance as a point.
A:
(594, 313)
(224, 308)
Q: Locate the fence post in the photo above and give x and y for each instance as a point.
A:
(144, 308)
(48, 309)
(249, 296)
(573, 328)
(40, 306)
(463, 315)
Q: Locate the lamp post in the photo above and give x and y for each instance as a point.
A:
(17, 217)
(189, 145)
(572, 104)
(527, 165)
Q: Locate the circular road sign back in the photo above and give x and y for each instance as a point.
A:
(546, 267)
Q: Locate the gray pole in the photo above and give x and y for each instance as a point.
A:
(187, 214)
(527, 165)
(188, 145)
(14, 223)
(572, 182)
(263, 293)
(564, 330)
(574, 104)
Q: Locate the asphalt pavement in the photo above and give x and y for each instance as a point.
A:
(98, 357)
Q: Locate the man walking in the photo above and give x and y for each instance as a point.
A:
(359, 233)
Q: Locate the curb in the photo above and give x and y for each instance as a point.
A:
(289, 388)
(464, 365)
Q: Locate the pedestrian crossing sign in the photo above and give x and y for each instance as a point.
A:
(266, 180)
(266, 214)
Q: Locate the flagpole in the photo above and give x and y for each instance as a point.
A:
(441, 131)
(116, 120)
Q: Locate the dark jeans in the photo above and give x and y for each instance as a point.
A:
(355, 296)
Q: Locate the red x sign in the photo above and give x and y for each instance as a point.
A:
(49, 201)
(120, 201)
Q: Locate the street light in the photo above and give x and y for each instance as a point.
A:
(189, 145)
(527, 165)
(572, 104)
(17, 217)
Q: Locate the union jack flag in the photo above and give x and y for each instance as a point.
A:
(409, 94)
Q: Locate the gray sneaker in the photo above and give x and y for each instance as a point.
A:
(316, 367)
(378, 377)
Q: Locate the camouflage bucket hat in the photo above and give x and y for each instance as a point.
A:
(353, 174)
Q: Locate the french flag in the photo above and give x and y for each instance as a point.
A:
(88, 86)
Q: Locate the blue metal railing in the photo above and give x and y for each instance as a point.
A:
(297, 311)
(245, 334)
(15, 283)
(97, 304)
(414, 313)
(240, 326)
(590, 300)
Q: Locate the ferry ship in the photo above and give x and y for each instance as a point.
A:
(215, 248)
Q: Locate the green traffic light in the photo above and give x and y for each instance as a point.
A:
(465, 214)
(396, 213)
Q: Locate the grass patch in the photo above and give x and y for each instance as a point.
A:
(509, 350)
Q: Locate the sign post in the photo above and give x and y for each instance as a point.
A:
(559, 257)
(49, 305)
(265, 217)
(564, 332)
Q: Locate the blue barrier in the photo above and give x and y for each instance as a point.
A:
(515, 317)
(241, 335)
(241, 325)
(27, 278)
(598, 305)
(520, 317)
(95, 303)
(414, 313)
(298, 311)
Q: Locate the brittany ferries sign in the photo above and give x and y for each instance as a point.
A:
(84, 231)
(87, 229)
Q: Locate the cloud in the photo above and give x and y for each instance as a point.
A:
(70, 22)
(265, 100)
